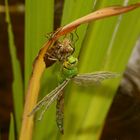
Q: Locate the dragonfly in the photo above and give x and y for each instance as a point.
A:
(68, 72)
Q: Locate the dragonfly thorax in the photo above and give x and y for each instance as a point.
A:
(69, 68)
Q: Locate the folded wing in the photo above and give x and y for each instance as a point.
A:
(49, 99)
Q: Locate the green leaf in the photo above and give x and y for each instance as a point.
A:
(107, 46)
(17, 85)
(38, 22)
(12, 128)
(73, 10)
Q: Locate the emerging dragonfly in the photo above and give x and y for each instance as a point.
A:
(60, 50)
(67, 73)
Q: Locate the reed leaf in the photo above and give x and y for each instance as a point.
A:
(12, 129)
(17, 85)
(107, 46)
(73, 10)
(38, 22)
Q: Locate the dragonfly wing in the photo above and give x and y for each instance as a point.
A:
(48, 99)
(93, 78)
(60, 112)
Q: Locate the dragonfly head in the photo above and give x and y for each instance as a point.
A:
(71, 62)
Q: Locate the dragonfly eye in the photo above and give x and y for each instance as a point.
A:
(71, 62)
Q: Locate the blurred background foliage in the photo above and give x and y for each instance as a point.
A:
(103, 45)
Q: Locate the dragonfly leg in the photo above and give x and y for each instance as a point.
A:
(76, 36)
(51, 57)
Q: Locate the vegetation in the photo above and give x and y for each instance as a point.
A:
(103, 45)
